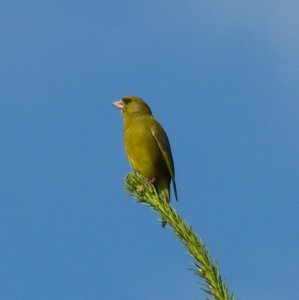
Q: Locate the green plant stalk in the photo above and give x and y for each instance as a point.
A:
(146, 193)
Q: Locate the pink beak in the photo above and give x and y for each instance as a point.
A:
(118, 104)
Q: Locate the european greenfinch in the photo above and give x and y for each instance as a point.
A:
(147, 146)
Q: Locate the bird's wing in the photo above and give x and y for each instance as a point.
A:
(164, 146)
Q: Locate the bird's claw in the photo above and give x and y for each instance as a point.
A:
(151, 180)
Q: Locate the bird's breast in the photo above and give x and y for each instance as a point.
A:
(142, 150)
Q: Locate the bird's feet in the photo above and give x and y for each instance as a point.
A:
(151, 180)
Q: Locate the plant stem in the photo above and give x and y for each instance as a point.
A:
(146, 193)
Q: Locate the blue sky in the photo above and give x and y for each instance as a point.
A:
(221, 77)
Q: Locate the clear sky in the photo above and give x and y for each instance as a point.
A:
(222, 77)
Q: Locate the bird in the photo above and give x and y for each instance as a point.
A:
(147, 146)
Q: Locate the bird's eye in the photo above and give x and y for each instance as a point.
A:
(126, 100)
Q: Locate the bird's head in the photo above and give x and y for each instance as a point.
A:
(132, 106)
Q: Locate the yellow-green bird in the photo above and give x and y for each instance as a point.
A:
(147, 145)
